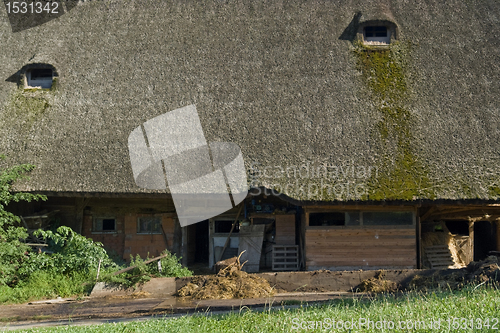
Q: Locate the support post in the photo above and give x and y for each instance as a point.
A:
(419, 243)
(471, 241)
(497, 223)
(184, 248)
(231, 232)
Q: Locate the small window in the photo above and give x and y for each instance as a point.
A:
(149, 225)
(40, 78)
(327, 219)
(224, 227)
(376, 32)
(104, 224)
(387, 218)
(352, 218)
(377, 35)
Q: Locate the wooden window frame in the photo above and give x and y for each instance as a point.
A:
(96, 231)
(149, 232)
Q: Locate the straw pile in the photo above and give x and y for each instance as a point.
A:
(444, 238)
(377, 284)
(230, 282)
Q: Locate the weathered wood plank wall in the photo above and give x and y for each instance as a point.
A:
(285, 230)
(361, 248)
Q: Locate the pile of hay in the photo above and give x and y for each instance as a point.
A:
(230, 282)
(377, 284)
(486, 271)
(444, 238)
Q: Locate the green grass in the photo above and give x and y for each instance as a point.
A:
(43, 285)
(480, 303)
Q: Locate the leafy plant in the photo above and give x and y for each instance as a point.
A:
(74, 252)
(13, 252)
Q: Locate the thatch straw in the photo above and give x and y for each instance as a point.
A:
(444, 238)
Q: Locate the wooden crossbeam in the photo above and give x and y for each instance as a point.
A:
(230, 233)
(145, 263)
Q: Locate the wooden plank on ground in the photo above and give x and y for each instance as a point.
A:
(145, 263)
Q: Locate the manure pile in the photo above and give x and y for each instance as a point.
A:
(477, 272)
(486, 271)
(377, 284)
(230, 282)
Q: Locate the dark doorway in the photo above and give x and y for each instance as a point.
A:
(485, 239)
(201, 237)
(459, 227)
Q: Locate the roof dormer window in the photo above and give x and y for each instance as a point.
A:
(376, 35)
(39, 78)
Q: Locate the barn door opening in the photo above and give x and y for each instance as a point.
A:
(485, 239)
(202, 241)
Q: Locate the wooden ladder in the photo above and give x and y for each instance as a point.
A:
(439, 256)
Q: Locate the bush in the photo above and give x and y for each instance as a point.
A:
(13, 252)
(73, 252)
(27, 275)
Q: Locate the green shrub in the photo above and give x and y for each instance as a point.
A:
(13, 252)
(74, 252)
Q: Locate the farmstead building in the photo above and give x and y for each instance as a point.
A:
(369, 130)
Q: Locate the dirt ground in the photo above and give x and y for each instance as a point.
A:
(62, 312)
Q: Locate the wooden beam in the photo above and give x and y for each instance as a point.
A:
(164, 236)
(428, 213)
(80, 204)
(231, 232)
(419, 243)
(497, 222)
(145, 263)
(471, 242)
(371, 208)
(465, 211)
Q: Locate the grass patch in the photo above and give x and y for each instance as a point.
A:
(46, 284)
(9, 319)
(423, 308)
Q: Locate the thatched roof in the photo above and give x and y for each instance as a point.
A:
(285, 80)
